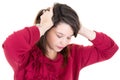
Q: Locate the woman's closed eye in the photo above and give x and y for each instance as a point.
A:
(68, 38)
(59, 36)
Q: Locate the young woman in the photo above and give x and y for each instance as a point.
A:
(43, 52)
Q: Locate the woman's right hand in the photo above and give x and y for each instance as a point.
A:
(46, 20)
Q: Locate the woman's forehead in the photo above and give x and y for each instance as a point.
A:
(64, 28)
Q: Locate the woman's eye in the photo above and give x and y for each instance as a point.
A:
(69, 38)
(59, 36)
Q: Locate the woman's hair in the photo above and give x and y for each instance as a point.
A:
(62, 13)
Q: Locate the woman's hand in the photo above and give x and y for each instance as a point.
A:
(46, 21)
(89, 34)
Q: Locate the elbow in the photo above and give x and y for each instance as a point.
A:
(111, 51)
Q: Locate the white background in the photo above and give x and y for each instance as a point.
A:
(99, 15)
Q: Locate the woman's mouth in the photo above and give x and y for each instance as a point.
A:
(59, 47)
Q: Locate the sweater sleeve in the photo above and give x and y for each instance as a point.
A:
(17, 45)
(103, 48)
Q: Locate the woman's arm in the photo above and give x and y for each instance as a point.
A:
(103, 48)
(89, 34)
(17, 45)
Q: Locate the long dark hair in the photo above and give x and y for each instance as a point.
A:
(61, 13)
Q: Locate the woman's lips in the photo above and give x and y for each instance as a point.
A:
(59, 47)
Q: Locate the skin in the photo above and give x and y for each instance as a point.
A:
(46, 20)
(60, 36)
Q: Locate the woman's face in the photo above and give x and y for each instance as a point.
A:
(59, 37)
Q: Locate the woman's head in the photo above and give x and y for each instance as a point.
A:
(62, 13)
(57, 38)
(65, 14)
(65, 25)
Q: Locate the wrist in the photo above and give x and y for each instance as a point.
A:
(89, 34)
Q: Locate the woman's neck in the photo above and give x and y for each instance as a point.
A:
(51, 55)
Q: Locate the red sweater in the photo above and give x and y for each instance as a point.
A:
(29, 63)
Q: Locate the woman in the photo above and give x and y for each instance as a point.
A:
(43, 52)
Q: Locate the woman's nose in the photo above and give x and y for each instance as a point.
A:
(64, 42)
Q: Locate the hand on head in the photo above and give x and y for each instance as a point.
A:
(46, 18)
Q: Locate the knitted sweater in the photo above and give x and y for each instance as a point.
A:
(29, 63)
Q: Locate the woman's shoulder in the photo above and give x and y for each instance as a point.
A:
(36, 51)
(75, 48)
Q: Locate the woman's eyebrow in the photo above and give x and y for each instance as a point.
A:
(59, 33)
(63, 34)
